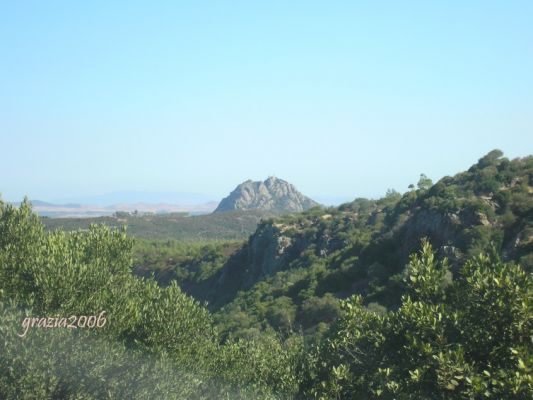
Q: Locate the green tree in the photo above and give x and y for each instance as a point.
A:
(424, 183)
(473, 342)
(490, 158)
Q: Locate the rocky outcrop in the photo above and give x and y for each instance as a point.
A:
(440, 228)
(273, 194)
(268, 250)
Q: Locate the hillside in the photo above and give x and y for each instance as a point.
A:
(293, 269)
(275, 195)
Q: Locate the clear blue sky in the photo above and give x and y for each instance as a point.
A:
(341, 98)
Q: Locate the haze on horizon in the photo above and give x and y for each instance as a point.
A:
(341, 99)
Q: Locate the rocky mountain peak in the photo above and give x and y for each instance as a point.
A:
(273, 194)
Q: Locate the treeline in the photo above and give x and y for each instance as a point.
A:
(231, 225)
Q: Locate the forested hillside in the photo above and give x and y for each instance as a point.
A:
(425, 295)
(293, 270)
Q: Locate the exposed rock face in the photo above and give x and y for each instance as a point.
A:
(268, 251)
(271, 195)
(441, 228)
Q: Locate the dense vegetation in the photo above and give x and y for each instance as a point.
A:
(151, 333)
(342, 303)
(232, 225)
(189, 263)
(291, 273)
(466, 339)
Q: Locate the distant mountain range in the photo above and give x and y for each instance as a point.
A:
(71, 210)
(273, 194)
(138, 196)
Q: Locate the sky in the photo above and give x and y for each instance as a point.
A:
(341, 98)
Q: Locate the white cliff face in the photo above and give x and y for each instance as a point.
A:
(271, 195)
